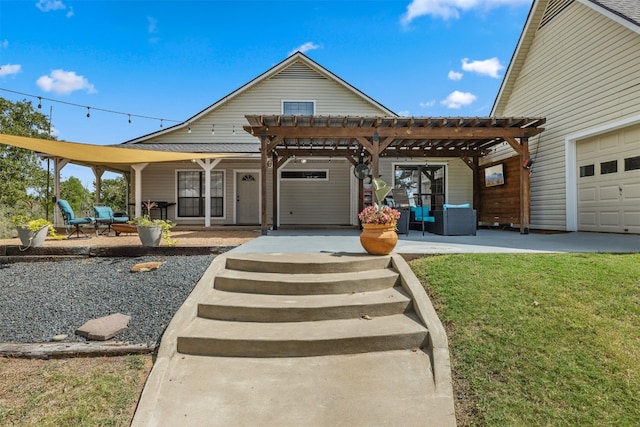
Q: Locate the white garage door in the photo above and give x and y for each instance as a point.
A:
(609, 182)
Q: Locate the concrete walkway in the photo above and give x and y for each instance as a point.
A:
(486, 241)
(347, 390)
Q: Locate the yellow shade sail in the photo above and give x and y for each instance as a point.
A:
(106, 155)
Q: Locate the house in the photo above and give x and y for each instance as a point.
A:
(308, 130)
(314, 191)
(577, 64)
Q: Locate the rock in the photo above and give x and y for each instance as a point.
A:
(146, 266)
(104, 328)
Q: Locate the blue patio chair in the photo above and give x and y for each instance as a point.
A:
(421, 214)
(106, 216)
(70, 220)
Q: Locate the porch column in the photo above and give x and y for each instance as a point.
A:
(98, 172)
(264, 224)
(58, 164)
(138, 184)
(207, 165)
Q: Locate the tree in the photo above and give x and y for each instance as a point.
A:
(114, 193)
(78, 197)
(22, 177)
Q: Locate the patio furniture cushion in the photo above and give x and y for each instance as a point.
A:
(70, 219)
(461, 206)
(106, 214)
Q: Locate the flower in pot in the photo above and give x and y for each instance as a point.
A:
(33, 231)
(379, 222)
(150, 230)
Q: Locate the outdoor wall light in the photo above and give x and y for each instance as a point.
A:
(213, 130)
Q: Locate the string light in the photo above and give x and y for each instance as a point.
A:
(189, 130)
(140, 116)
(88, 112)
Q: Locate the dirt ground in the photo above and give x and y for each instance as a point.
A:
(184, 238)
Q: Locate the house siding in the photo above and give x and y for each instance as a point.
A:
(304, 203)
(580, 73)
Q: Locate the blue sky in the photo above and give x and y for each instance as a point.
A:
(171, 59)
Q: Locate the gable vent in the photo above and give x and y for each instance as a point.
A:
(553, 9)
(299, 71)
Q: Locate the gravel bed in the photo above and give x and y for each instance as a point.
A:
(39, 300)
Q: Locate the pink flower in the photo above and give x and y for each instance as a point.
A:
(386, 215)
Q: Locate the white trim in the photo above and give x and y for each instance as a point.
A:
(620, 20)
(235, 192)
(224, 196)
(312, 101)
(304, 170)
(570, 153)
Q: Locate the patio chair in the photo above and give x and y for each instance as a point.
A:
(421, 214)
(106, 216)
(72, 224)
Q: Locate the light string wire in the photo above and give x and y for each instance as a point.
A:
(129, 115)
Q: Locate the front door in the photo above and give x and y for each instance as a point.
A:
(247, 196)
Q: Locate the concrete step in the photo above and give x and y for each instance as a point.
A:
(245, 307)
(305, 284)
(305, 263)
(296, 339)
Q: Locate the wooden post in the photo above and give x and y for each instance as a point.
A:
(263, 182)
(525, 187)
(274, 186)
(375, 155)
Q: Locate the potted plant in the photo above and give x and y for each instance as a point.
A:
(33, 231)
(379, 222)
(150, 230)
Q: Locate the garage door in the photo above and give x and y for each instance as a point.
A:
(609, 182)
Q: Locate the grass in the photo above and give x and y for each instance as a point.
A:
(71, 392)
(545, 340)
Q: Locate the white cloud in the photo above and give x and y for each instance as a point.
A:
(454, 75)
(404, 113)
(152, 25)
(488, 67)
(457, 99)
(70, 12)
(9, 69)
(428, 104)
(306, 47)
(447, 9)
(49, 5)
(64, 82)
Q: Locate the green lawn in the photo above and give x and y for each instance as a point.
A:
(540, 340)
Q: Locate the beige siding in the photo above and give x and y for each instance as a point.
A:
(316, 201)
(159, 182)
(581, 72)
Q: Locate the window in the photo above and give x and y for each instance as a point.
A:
(588, 170)
(608, 167)
(298, 108)
(424, 184)
(317, 175)
(632, 163)
(191, 189)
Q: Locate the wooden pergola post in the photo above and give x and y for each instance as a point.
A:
(525, 187)
(263, 183)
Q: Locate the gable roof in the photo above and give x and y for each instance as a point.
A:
(289, 62)
(624, 12)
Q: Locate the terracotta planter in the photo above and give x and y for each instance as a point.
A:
(150, 236)
(378, 239)
(32, 239)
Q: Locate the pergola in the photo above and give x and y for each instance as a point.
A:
(370, 138)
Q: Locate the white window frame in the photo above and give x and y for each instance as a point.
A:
(313, 102)
(224, 197)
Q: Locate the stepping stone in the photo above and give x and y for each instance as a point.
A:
(104, 328)
(146, 266)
